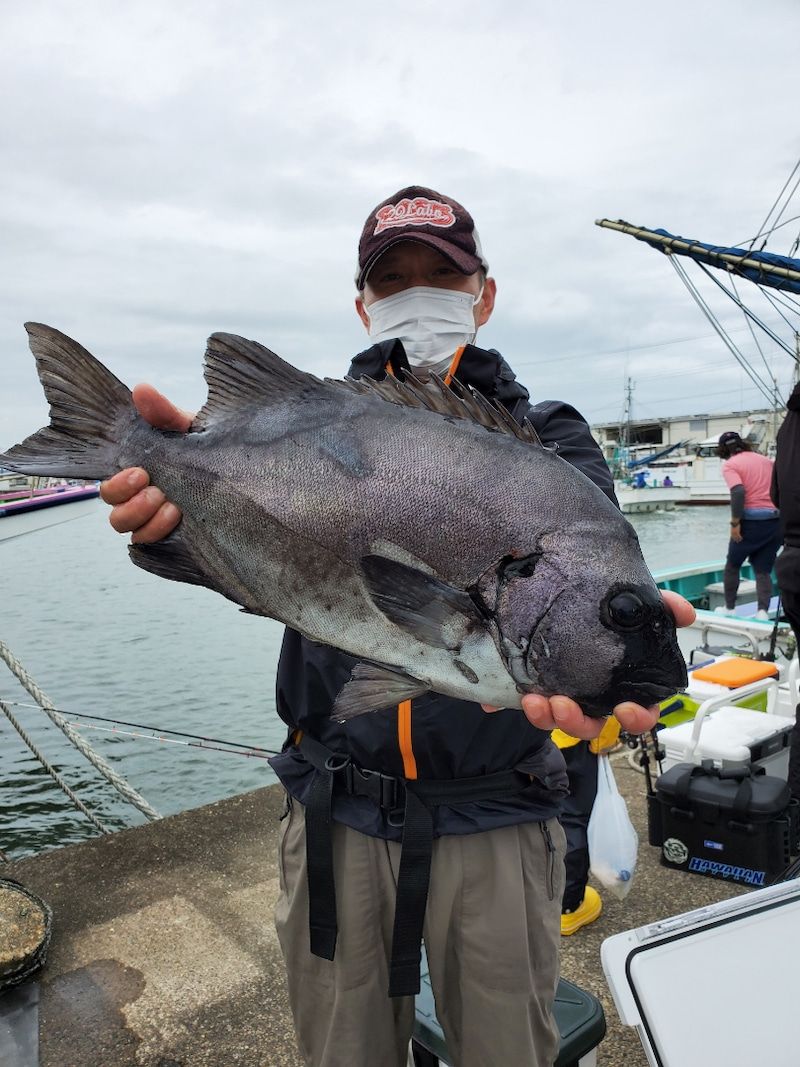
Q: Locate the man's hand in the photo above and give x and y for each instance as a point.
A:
(560, 712)
(139, 508)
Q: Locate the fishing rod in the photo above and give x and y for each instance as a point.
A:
(774, 636)
(156, 734)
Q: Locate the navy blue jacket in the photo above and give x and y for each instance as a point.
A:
(450, 738)
(786, 494)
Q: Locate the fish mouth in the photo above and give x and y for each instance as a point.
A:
(644, 693)
(645, 688)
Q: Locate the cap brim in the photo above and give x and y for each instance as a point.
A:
(460, 259)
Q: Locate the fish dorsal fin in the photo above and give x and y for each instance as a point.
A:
(240, 373)
(455, 400)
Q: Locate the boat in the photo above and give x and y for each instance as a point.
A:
(702, 585)
(713, 635)
(777, 280)
(686, 462)
(26, 507)
(768, 271)
(635, 498)
(700, 471)
(635, 493)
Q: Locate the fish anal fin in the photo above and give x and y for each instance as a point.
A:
(372, 687)
(437, 614)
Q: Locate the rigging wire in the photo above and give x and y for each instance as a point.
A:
(698, 299)
(751, 316)
(767, 233)
(784, 300)
(756, 342)
(772, 229)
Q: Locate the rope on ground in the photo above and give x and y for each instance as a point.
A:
(52, 771)
(83, 746)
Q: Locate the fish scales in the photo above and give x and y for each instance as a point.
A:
(447, 555)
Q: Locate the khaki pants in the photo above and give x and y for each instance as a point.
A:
(492, 933)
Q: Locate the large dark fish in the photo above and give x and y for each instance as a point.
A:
(431, 537)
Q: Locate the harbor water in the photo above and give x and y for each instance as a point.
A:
(131, 656)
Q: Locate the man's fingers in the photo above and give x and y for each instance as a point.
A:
(637, 719)
(160, 412)
(140, 509)
(682, 611)
(162, 523)
(124, 485)
(560, 712)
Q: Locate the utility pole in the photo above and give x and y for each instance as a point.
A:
(628, 409)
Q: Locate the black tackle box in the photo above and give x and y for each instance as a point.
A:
(740, 824)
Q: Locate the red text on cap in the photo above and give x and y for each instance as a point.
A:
(417, 212)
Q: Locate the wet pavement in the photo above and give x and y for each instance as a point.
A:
(164, 952)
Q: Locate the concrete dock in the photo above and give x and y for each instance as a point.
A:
(164, 952)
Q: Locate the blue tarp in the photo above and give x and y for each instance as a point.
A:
(762, 268)
(757, 267)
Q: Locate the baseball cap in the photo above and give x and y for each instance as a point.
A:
(729, 438)
(417, 213)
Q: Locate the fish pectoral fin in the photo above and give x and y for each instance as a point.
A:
(171, 559)
(372, 687)
(437, 614)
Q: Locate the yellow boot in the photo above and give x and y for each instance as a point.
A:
(588, 910)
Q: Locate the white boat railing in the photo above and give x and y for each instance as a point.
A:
(733, 629)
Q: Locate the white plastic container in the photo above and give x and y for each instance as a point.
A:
(731, 737)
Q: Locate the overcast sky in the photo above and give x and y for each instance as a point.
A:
(174, 168)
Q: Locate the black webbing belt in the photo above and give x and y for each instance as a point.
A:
(410, 803)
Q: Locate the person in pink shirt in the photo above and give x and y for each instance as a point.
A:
(755, 521)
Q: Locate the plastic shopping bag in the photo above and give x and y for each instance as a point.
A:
(613, 842)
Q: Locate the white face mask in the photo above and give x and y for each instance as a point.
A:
(432, 323)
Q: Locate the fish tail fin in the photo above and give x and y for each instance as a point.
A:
(89, 410)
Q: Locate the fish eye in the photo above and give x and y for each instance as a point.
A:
(627, 610)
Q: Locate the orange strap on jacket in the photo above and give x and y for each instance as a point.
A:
(404, 708)
(454, 365)
(450, 374)
(404, 738)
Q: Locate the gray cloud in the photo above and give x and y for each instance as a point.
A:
(170, 169)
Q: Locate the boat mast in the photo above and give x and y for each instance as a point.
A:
(710, 254)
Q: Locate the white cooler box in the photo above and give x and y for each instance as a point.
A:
(713, 986)
(731, 737)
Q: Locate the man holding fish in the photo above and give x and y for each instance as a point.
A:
(436, 813)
